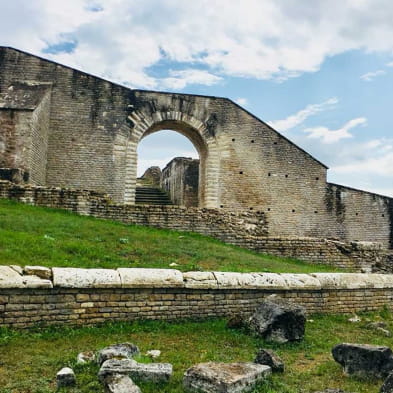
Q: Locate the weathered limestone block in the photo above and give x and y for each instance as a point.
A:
(271, 359)
(354, 280)
(85, 278)
(118, 383)
(10, 278)
(153, 372)
(249, 280)
(117, 351)
(362, 360)
(39, 271)
(278, 320)
(215, 377)
(200, 280)
(387, 386)
(65, 377)
(150, 278)
(301, 281)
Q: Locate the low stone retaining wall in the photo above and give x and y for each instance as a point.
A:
(90, 296)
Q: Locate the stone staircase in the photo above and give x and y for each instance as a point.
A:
(151, 196)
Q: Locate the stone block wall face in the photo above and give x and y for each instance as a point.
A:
(15, 139)
(180, 180)
(358, 215)
(95, 127)
(91, 296)
(39, 131)
(29, 307)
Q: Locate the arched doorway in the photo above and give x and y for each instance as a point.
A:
(192, 129)
(168, 170)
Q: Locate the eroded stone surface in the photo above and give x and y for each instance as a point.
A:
(150, 278)
(85, 278)
(39, 271)
(118, 383)
(65, 377)
(200, 280)
(153, 372)
(10, 278)
(362, 360)
(117, 351)
(278, 320)
(215, 377)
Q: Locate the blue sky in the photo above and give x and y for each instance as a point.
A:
(320, 72)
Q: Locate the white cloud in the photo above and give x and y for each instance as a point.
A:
(331, 136)
(299, 117)
(122, 39)
(390, 64)
(241, 101)
(369, 76)
(181, 78)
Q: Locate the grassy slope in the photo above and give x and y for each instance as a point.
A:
(30, 360)
(38, 236)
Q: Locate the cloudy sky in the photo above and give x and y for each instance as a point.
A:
(320, 71)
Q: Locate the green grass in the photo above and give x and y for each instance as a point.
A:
(30, 360)
(39, 236)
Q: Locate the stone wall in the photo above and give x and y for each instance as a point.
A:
(180, 180)
(90, 296)
(245, 229)
(96, 126)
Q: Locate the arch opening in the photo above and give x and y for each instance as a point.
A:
(171, 157)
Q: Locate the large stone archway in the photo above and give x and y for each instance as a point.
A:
(187, 125)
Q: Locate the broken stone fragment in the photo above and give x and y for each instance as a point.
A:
(85, 357)
(154, 353)
(118, 383)
(271, 359)
(65, 377)
(215, 377)
(39, 271)
(278, 320)
(117, 351)
(151, 372)
(362, 360)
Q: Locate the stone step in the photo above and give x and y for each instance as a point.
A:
(151, 196)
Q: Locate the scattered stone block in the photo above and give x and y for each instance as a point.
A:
(236, 322)
(117, 351)
(271, 359)
(152, 372)
(154, 353)
(362, 360)
(278, 320)
(85, 357)
(215, 377)
(39, 271)
(387, 386)
(118, 383)
(65, 377)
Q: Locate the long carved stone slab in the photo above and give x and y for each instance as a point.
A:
(153, 372)
(150, 278)
(85, 278)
